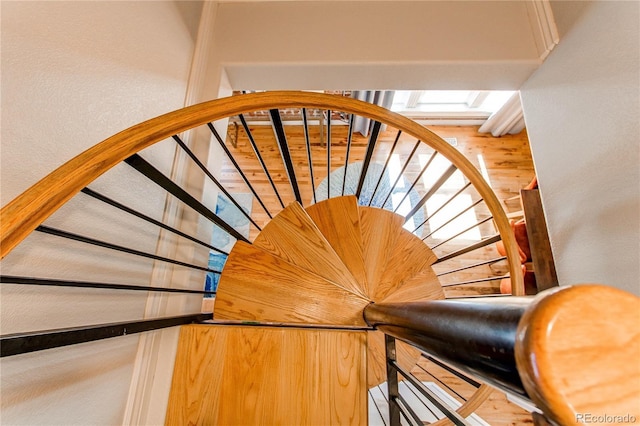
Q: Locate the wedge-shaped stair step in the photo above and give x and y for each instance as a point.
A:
(421, 287)
(408, 256)
(258, 286)
(339, 221)
(241, 375)
(380, 230)
(293, 236)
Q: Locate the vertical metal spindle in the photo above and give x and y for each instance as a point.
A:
(346, 157)
(415, 182)
(281, 137)
(436, 186)
(309, 159)
(386, 163)
(213, 179)
(367, 158)
(392, 381)
(406, 164)
(238, 169)
(486, 219)
(328, 154)
(453, 218)
(150, 172)
(482, 243)
(443, 205)
(259, 157)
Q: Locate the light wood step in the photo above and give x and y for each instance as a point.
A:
(339, 221)
(256, 285)
(234, 375)
(422, 286)
(408, 256)
(293, 236)
(380, 230)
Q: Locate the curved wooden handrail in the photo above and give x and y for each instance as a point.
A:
(578, 355)
(22, 215)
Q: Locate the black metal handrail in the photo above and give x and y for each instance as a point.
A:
(476, 336)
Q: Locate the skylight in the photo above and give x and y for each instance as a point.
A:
(446, 101)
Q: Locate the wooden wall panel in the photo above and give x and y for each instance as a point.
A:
(235, 375)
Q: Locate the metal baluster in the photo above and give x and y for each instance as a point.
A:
(453, 218)
(328, 154)
(415, 182)
(213, 179)
(442, 206)
(238, 169)
(9, 279)
(100, 243)
(406, 164)
(481, 280)
(309, 159)
(472, 247)
(281, 137)
(153, 174)
(346, 158)
(136, 213)
(392, 381)
(436, 186)
(463, 231)
(487, 262)
(386, 163)
(373, 138)
(256, 151)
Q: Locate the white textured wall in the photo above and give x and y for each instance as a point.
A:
(582, 110)
(74, 73)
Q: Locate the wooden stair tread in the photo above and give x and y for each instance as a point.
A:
(293, 236)
(409, 256)
(339, 221)
(422, 286)
(256, 285)
(380, 230)
(241, 375)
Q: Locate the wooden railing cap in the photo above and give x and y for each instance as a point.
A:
(578, 354)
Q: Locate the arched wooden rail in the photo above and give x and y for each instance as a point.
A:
(22, 215)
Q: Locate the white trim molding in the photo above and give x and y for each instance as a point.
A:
(153, 368)
(543, 26)
(508, 119)
(201, 53)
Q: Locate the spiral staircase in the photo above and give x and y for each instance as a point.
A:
(322, 266)
(296, 336)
